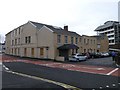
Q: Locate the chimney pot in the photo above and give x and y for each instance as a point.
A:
(66, 28)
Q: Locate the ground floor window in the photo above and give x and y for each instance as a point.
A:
(25, 51)
(41, 51)
(84, 50)
(12, 50)
(32, 51)
(15, 51)
(18, 51)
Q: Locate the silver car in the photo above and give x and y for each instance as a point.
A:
(80, 57)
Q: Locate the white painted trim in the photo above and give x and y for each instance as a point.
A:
(31, 23)
(47, 28)
(112, 71)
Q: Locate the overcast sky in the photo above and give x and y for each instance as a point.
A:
(81, 16)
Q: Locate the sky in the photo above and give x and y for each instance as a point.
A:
(81, 16)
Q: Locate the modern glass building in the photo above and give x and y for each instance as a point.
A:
(112, 30)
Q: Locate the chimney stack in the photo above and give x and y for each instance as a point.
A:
(66, 28)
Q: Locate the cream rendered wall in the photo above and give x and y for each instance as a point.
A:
(46, 39)
(56, 45)
(89, 45)
(8, 43)
(29, 30)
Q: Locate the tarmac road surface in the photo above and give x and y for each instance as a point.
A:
(80, 80)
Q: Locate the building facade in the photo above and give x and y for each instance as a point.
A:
(88, 44)
(102, 43)
(38, 40)
(112, 30)
(44, 41)
(2, 47)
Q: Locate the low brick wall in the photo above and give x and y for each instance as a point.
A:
(60, 58)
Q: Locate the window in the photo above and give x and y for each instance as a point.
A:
(15, 51)
(72, 40)
(91, 41)
(41, 51)
(25, 51)
(94, 41)
(88, 41)
(12, 42)
(19, 40)
(28, 39)
(32, 51)
(12, 50)
(84, 41)
(18, 51)
(84, 50)
(19, 30)
(76, 40)
(15, 41)
(80, 40)
(59, 38)
(16, 32)
(66, 39)
(25, 39)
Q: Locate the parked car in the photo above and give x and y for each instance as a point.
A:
(105, 54)
(73, 59)
(80, 57)
(95, 55)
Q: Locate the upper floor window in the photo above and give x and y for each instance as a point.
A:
(28, 39)
(80, 39)
(76, 40)
(72, 41)
(59, 38)
(19, 30)
(84, 40)
(12, 42)
(19, 40)
(16, 32)
(91, 41)
(66, 39)
(88, 41)
(15, 41)
(94, 41)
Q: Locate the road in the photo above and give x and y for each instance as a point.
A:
(68, 74)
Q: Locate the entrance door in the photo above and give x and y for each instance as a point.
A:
(64, 53)
(25, 51)
(32, 52)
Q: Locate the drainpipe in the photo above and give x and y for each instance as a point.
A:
(37, 41)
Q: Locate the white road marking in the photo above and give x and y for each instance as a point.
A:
(46, 80)
(0, 63)
(93, 68)
(5, 67)
(112, 71)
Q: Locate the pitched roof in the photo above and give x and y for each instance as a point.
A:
(55, 29)
(68, 46)
(106, 25)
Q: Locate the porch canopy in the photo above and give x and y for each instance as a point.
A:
(68, 46)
